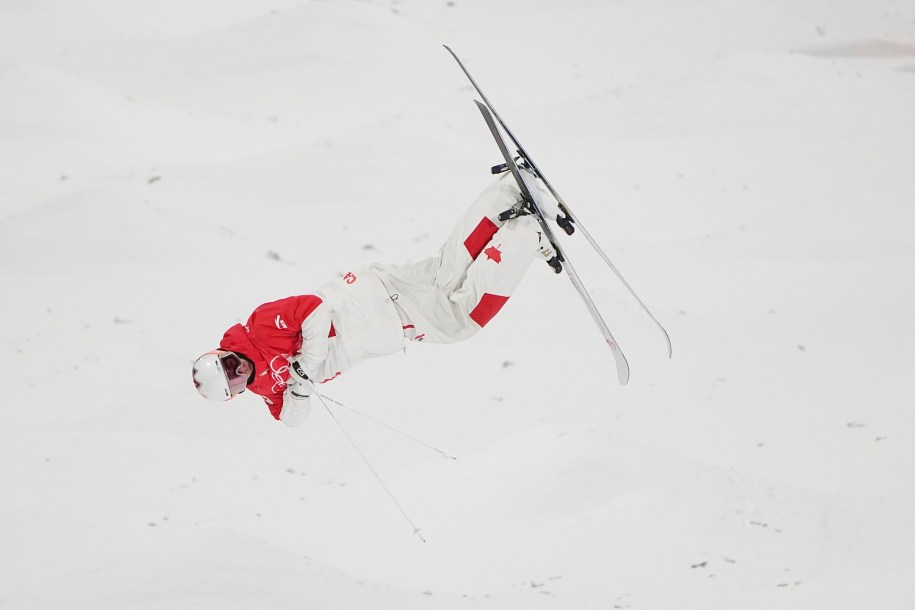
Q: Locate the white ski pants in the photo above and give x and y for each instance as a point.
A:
(451, 296)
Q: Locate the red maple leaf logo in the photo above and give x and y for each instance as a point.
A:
(493, 253)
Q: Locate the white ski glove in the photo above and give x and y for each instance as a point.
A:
(297, 397)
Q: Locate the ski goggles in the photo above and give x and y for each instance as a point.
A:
(230, 362)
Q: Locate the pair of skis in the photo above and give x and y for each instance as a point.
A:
(566, 220)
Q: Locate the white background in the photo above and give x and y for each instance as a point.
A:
(167, 166)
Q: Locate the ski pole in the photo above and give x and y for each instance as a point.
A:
(416, 530)
(389, 427)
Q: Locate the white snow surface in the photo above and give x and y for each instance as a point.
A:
(167, 166)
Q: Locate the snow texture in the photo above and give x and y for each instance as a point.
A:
(167, 166)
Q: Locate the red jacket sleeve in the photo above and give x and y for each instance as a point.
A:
(277, 326)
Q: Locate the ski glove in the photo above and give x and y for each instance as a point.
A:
(296, 402)
(297, 396)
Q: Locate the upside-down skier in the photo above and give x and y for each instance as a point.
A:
(288, 346)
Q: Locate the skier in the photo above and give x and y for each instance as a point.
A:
(289, 345)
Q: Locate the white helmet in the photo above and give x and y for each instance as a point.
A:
(217, 377)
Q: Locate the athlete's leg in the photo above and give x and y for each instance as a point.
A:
(473, 232)
(448, 298)
(492, 278)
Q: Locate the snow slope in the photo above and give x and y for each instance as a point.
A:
(165, 167)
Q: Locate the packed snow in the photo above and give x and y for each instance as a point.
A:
(167, 166)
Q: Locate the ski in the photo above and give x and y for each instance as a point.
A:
(567, 220)
(622, 366)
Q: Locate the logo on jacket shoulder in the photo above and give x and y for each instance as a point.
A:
(280, 323)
